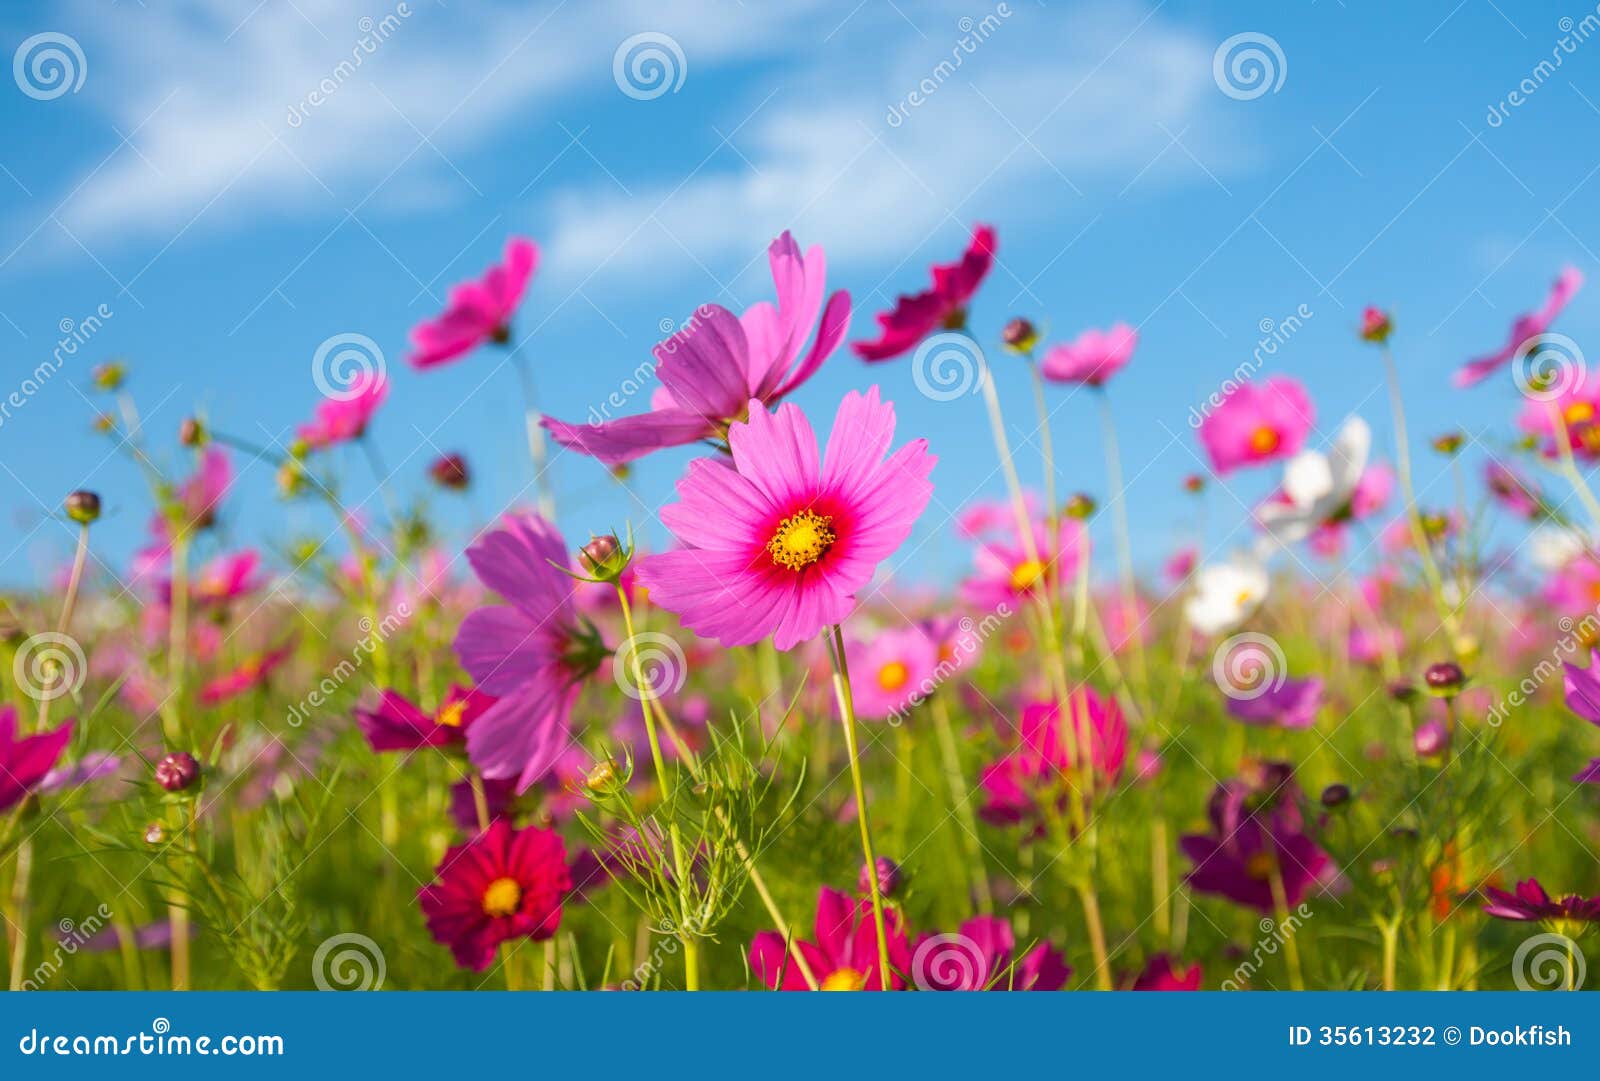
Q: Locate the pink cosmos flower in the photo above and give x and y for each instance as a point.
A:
(712, 368)
(845, 954)
(397, 724)
(1582, 688)
(978, 958)
(1512, 491)
(1285, 703)
(1181, 564)
(25, 762)
(1257, 831)
(479, 311)
(221, 580)
(1376, 325)
(1044, 761)
(252, 673)
(1531, 902)
(532, 653)
(503, 884)
(1092, 358)
(1257, 422)
(1368, 644)
(341, 419)
(892, 672)
(1524, 330)
(1004, 572)
(984, 517)
(1589, 774)
(916, 316)
(1159, 975)
(1573, 411)
(778, 544)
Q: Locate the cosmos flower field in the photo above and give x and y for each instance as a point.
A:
(1354, 752)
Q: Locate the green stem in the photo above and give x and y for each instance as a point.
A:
(847, 715)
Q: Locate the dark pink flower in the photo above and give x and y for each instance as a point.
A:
(712, 368)
(1256, 833)
(1256, 423)
(221, 580)
(778, 543)
(1573, 412)
(1582, 688)
(916, 316)
(1045, 762)
(979, 958)
(345, 417)
(1525, 329)
(845, 954)
(1376, 325)
(479, 311)
(1530, 902)
(501, 885)
(1283, 703)
(397, 724)
(250, 674)
(1091, 358)
(1159, 975)
(25, 762)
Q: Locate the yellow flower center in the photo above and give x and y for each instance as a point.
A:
(450, 713)
(1264, 440)
(844, 979)
(1260, 866)
(800, 540)
(1578, 413)
(893, 676)
(502, 897)
(1242, 598)
(1026, 575)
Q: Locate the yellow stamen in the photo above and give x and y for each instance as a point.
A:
(502, 897)
(1241, 598)
(800, 540)
(450, 713)
(844, 979)
(1026, 575)
(1264, 440)
(1578, 413)
(893, 676)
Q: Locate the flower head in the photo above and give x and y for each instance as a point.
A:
(892, 671)
(1376, 325)
(712, 368)
(1226, 594)
(1524, 329)
(339, 420)
(979, 958)
(1257, 842)
(1092, 358)
(1323, 492)
(396, 724)
(1531, 902)
(844, 956)
(251, 673)
(1570, 415)
(25, 762)
(1045, 763)
(1256, 423)
(917, 315)
(478, 311)
(503, 884)
(1005, 571)
(1160, 975)
(778, 543)
(1285, 703)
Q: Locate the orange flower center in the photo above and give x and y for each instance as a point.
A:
(502, 897)
(1578, 413)
(800, 540)
(1026, 575)
(1260, 866)
(844, 979)
(450, 713)
(893, 676)
(1264, 440)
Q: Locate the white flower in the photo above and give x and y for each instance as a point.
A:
(1317, 486)
(1552, 547)
(1226, 594)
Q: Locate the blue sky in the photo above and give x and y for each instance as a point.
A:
(228, 242)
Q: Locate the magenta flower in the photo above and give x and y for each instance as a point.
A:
(1530, 902)
(892, 672)
(532, 653)
(397, 724)
(1045, 762)
(1256, 423)
(1092, 358)
(1524, 330)
(504, 884)
(343, 418)
(479, 311)
(1257, 832)
(1159, 975)
(1181, 564)
(845, 954)
(778, 544)
(1286, 703)
(253, 672)
(712, 368)
(916, 316)
(1376, 325)
(199, 495)
(1589, 774)
(225, 578)
(979, 958)
(1004, 572)
(1573, 411)
(25, 762)
(1582, 687)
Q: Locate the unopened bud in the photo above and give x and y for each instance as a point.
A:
(110, 375)
(1448, 443)
(1376, 325)
(1020, 336)
(83, 506)
(1080, 507)
(1194, 483)
(450, 471)
(889, 877)
(604, 557)
(191, 433)
(1336, 795)
(1431, 739)
(177, 771)
(1445, 679)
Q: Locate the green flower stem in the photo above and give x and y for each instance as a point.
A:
(847, 715)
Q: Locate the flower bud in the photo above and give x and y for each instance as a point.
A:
(1445, 679)
(1336, 795)
(1080, 507)
(1376, 325)
(602, 779)
(191, 433)
(1020, 336)
(1432, 738)
(1448, 443)
(1194, 483)
(604, 557)
(889, 877)
(177, 771)
(450, 471)
(83, 506)
(1403, 691)
(110, 375)
(105, 422)
(154, 833)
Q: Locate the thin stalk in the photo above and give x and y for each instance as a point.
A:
(847, 715)
(538, 448)
(1280, 904)
(951, 755)
(1119, 500)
